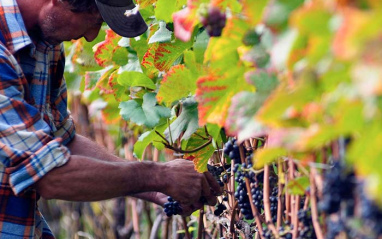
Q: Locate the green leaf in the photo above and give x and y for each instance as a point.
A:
(202, 156)
(298, 186)
(93, 77)
(264, 82)
(120, 56)
(165, 8)
(275, 110)
(178, 83)
(254, 10)
(187, 121)
(147, 138)
(266, 156)
(161, 35)
(200, 46)
(133, 78)
(146, 113)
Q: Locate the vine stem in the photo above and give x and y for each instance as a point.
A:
(295, 207)
(253, 207)
(267, 203)
(233, 215)
(295, 201)
(201, 224)
(313, 203)
(187, 233)
(189, 151)
(280, 203)
(287, 196)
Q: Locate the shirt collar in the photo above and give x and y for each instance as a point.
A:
(13, 33)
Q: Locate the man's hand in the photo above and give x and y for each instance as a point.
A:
(187, 186)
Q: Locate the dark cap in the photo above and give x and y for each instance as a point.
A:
(122, 17)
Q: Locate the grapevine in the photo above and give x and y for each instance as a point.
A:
(279, 100)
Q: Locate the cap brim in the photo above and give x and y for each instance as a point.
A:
(126, 25)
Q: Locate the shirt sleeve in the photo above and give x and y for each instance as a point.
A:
(28, 148)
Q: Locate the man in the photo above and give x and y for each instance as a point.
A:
(40, 154)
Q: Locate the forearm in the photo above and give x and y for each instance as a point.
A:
(81, 145)
(88, 179)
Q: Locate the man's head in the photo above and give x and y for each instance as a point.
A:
(64, 20)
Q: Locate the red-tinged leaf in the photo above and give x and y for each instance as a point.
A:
(202, 156)
(214, 93)
(148, 60)
(146, 3)
(178, 83)
(161, 56)
(358, 28)
(121, 93)
(103, 82)
(92, 77)
(110, 114)
(104, 50)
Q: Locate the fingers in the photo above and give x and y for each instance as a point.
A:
(207, 193)
(213, 184)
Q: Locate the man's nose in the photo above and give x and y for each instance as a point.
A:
(92, 33)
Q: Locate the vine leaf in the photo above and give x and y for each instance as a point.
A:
(286, 102)
(298, 185)
(178, 83)
(186, 122)
(147, 138)
(165, 8)
(254, 10)
(92, 77)
(241, 120)
(146, 3)
(264, 82)
(201, 157)
(120, 92)
(267, 155)
(163, 55)
(104, 51)
(134, 78)
(214, 93)
(349, 41)
(145, 112)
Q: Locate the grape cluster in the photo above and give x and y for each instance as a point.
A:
(371, 215)
(219, 209)
(274, 201)
(231, 149)
(241, 195)
(306, 230)
(217, 172)
(172, 207)
(214, 21)
(338, 186)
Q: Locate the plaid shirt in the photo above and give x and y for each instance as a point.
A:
(34, 123)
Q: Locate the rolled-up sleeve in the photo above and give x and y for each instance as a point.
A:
(28, 148)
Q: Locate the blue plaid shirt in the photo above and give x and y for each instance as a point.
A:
(34, 123)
